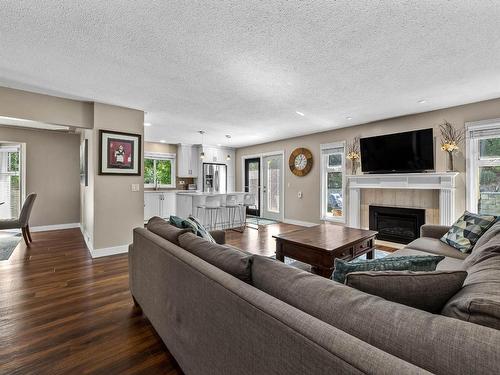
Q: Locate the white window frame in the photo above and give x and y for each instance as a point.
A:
(324, 170)
(162, 156)
(491, 129)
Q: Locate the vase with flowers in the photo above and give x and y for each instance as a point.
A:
(353, 155)
(451, 138)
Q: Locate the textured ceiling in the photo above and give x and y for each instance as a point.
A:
(245, 67)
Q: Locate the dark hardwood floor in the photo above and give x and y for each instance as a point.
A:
(62, 312)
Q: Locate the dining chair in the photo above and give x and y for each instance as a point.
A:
(23, 220)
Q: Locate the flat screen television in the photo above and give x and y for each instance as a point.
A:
(398, 153)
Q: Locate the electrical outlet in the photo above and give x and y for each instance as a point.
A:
(135, 187)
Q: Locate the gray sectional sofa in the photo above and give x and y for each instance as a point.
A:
(223, 311)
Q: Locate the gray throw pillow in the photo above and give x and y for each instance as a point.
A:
(228, 259)
(467, 230)
(164, 229)
(405, 263)
(428, 291)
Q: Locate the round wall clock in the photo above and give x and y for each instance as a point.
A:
(300, 161)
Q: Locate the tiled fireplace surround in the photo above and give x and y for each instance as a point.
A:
(434, 192)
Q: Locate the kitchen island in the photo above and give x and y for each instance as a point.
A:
(187, 204)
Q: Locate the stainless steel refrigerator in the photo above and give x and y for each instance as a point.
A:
(214, 178)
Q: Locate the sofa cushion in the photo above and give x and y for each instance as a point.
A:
(479, 300)
(447, 264)
(224, 257)
(427, 291)
(492, 233)
(410, 263)
(164, 229)
(467, 230)
(436, 246)
(433, 342)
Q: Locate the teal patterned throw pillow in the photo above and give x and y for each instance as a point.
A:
(464, 234)
(406, 263)
(201, 232)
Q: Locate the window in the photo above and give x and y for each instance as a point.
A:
(483, 167)
(159, 170)
(333, 181)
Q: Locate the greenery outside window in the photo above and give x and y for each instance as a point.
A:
(483, 168)
(159, 170)
(333, 182)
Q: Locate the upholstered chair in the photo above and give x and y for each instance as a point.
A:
(23, 220)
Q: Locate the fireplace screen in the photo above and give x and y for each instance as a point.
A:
(396, 224)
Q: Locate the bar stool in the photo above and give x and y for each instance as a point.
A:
(248, 201)
(212, 207)
(231, 207)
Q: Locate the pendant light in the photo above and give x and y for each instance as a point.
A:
(202, 154)
(228, 157)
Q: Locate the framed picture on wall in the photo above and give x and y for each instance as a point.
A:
(119, 153)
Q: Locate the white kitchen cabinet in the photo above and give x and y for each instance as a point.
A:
(187, 161)
(159, 203)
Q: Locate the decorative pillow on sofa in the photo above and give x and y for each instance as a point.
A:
(428, 291)
(201, 232)
(464, 234)
(406, 263)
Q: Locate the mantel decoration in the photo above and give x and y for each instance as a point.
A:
(451, 138)
(353, 155)
(119, 153)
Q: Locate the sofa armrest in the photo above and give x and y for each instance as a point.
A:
(219, 236)
(433, 231)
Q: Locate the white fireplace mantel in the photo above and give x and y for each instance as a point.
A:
(444, 182)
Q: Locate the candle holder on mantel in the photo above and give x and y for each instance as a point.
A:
(353, 155)
(450, 140)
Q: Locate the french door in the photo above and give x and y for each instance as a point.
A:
(11, 193)
(252, 183)
(272, 189)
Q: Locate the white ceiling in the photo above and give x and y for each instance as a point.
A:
(244, 67)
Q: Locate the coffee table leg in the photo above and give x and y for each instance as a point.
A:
(370, 254)
(280, 255)
(325, 272)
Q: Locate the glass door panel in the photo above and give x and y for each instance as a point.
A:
(252, 183)
(10, 180)
(272, 188)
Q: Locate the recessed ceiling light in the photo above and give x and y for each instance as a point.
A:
(422, 101)
(163, 141)
(147, 124)
(348, 118)
(218, 145)
(299, 113)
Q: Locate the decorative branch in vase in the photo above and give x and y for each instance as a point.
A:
(451, 138)
(353, 154)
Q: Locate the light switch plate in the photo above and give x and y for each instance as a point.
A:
(135, 187)
(299, 195)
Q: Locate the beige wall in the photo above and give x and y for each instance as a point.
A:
(117, 210)
(45, 108)
(52, 171)
(160, 147)
(308, 208)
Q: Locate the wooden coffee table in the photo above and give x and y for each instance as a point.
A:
(321, 244)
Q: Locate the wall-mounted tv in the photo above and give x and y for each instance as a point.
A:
(398, 153)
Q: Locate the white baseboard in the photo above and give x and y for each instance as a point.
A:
(299, 222)
(107, 251)
(45, 228)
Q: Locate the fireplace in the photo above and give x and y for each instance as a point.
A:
(396, 224)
